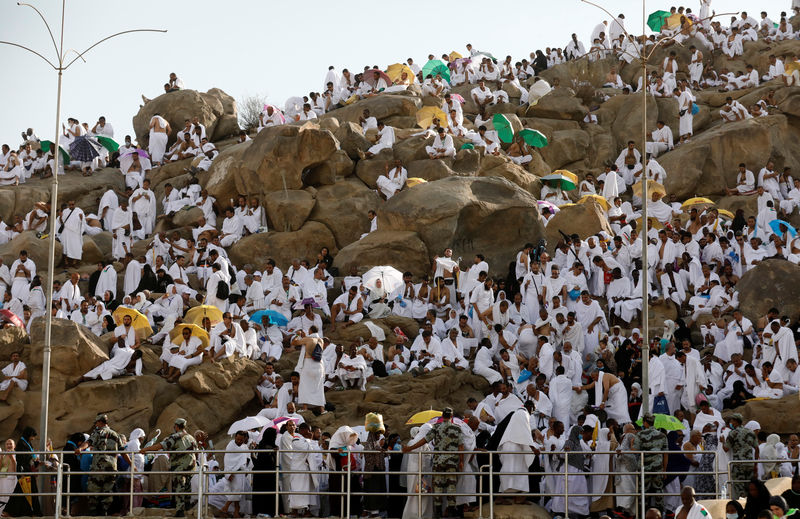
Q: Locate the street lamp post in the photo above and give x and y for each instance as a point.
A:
(59, 66)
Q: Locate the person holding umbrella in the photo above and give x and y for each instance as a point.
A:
(181, 462)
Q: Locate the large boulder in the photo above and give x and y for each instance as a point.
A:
(219, 179)
(566, 147)
(622, 116)
(489, 216)
(288, 210)
(278, 158)
(283, 247)
(38, 250)
(708, 163)
(343, 209)
(403, 250)
(558, 104)
(772, 283)
(582, 219)
(380, 107)
(215, 109)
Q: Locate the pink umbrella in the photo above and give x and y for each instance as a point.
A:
(276, 423)
(460, 61)
(10, 317)
(439, 419)
(458, 97)
(126, 160)
(369, 77)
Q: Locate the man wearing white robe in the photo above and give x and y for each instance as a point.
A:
(133, 275)
(14, 375)
(22, 271)
(236, 460)
(299, 459)
(442, 146)
(385, 140)
(516, 439)
(662, 140)
(592, 319)
(143, 203)
(214, 280)
(393, 180)
(159, 134)
(695, 381)
(107, 281)
(121, 227)
(231, 229)
(72, 221)
(108, 204)
(117, 365)
(561, 396)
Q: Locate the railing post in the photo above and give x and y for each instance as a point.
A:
(130, 488)
(491, 487)
(480, 492)
(69, 489)
(419, 485)
(59, 474)
(200, 482)
(277, 482)
(566, 486)
(349, 463)
(643, 495)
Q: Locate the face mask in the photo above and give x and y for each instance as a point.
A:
(732, 516)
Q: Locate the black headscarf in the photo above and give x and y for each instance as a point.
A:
(754, 505)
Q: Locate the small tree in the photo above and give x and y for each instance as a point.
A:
(249, 109)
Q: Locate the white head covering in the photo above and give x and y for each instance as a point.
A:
(343, 437)
(134, 443)
(753, 425)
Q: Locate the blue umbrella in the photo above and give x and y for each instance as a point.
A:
(775, 225)
(82, 149)
(275, 318)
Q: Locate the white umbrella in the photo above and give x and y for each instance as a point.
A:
(391, 278)
(126, 160)
(247, 424)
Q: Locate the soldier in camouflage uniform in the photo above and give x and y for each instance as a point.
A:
(652, 440)
(181, 461)
(102, 439)
(445, 436)
(742, 444)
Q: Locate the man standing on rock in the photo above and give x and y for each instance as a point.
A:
(71, 227)
(102, 439)
(159, 134)
(181, 461)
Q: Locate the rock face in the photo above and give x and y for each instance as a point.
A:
(780, 414)
(404, 250)
(38, 250)
(343, 208)
(709, 163)
(215, 109)
(773, 283)
(283, 247)
(288, 210)
(581, 219)
(278, 158)
(490, 216)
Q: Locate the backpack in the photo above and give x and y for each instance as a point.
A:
(317, 353)
(223, 290)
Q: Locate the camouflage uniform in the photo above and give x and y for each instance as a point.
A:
(741, 443)
(653, 440)
(103, 439)
(181, 441)
(445, 436)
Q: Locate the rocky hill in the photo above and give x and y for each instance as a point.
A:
(317, 192)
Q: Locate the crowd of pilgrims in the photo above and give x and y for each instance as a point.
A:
(555, 338)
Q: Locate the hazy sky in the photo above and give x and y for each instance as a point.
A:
(267, 47)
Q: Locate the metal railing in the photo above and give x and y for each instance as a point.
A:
(486, 473)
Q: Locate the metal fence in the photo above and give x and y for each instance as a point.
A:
(62, 495)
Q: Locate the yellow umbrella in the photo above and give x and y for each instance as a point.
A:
(455, 55)
(195, 315)
(396, 71)
(652, 186)
(423, 417)
(426, 115)
(696, 201)
(725, 213)
(789, 68)
(197, 331)
(653, 222)
(138, 321)
(415, 181)
(595, 198)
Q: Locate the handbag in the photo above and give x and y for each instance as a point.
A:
(746, 342)
(660, 405)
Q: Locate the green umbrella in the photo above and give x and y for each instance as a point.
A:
(666, 422)
(534, 138)
(48, 145)
(503, 127)
(436, 66)
(656, 20)
(108, 143)
(467, 146)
